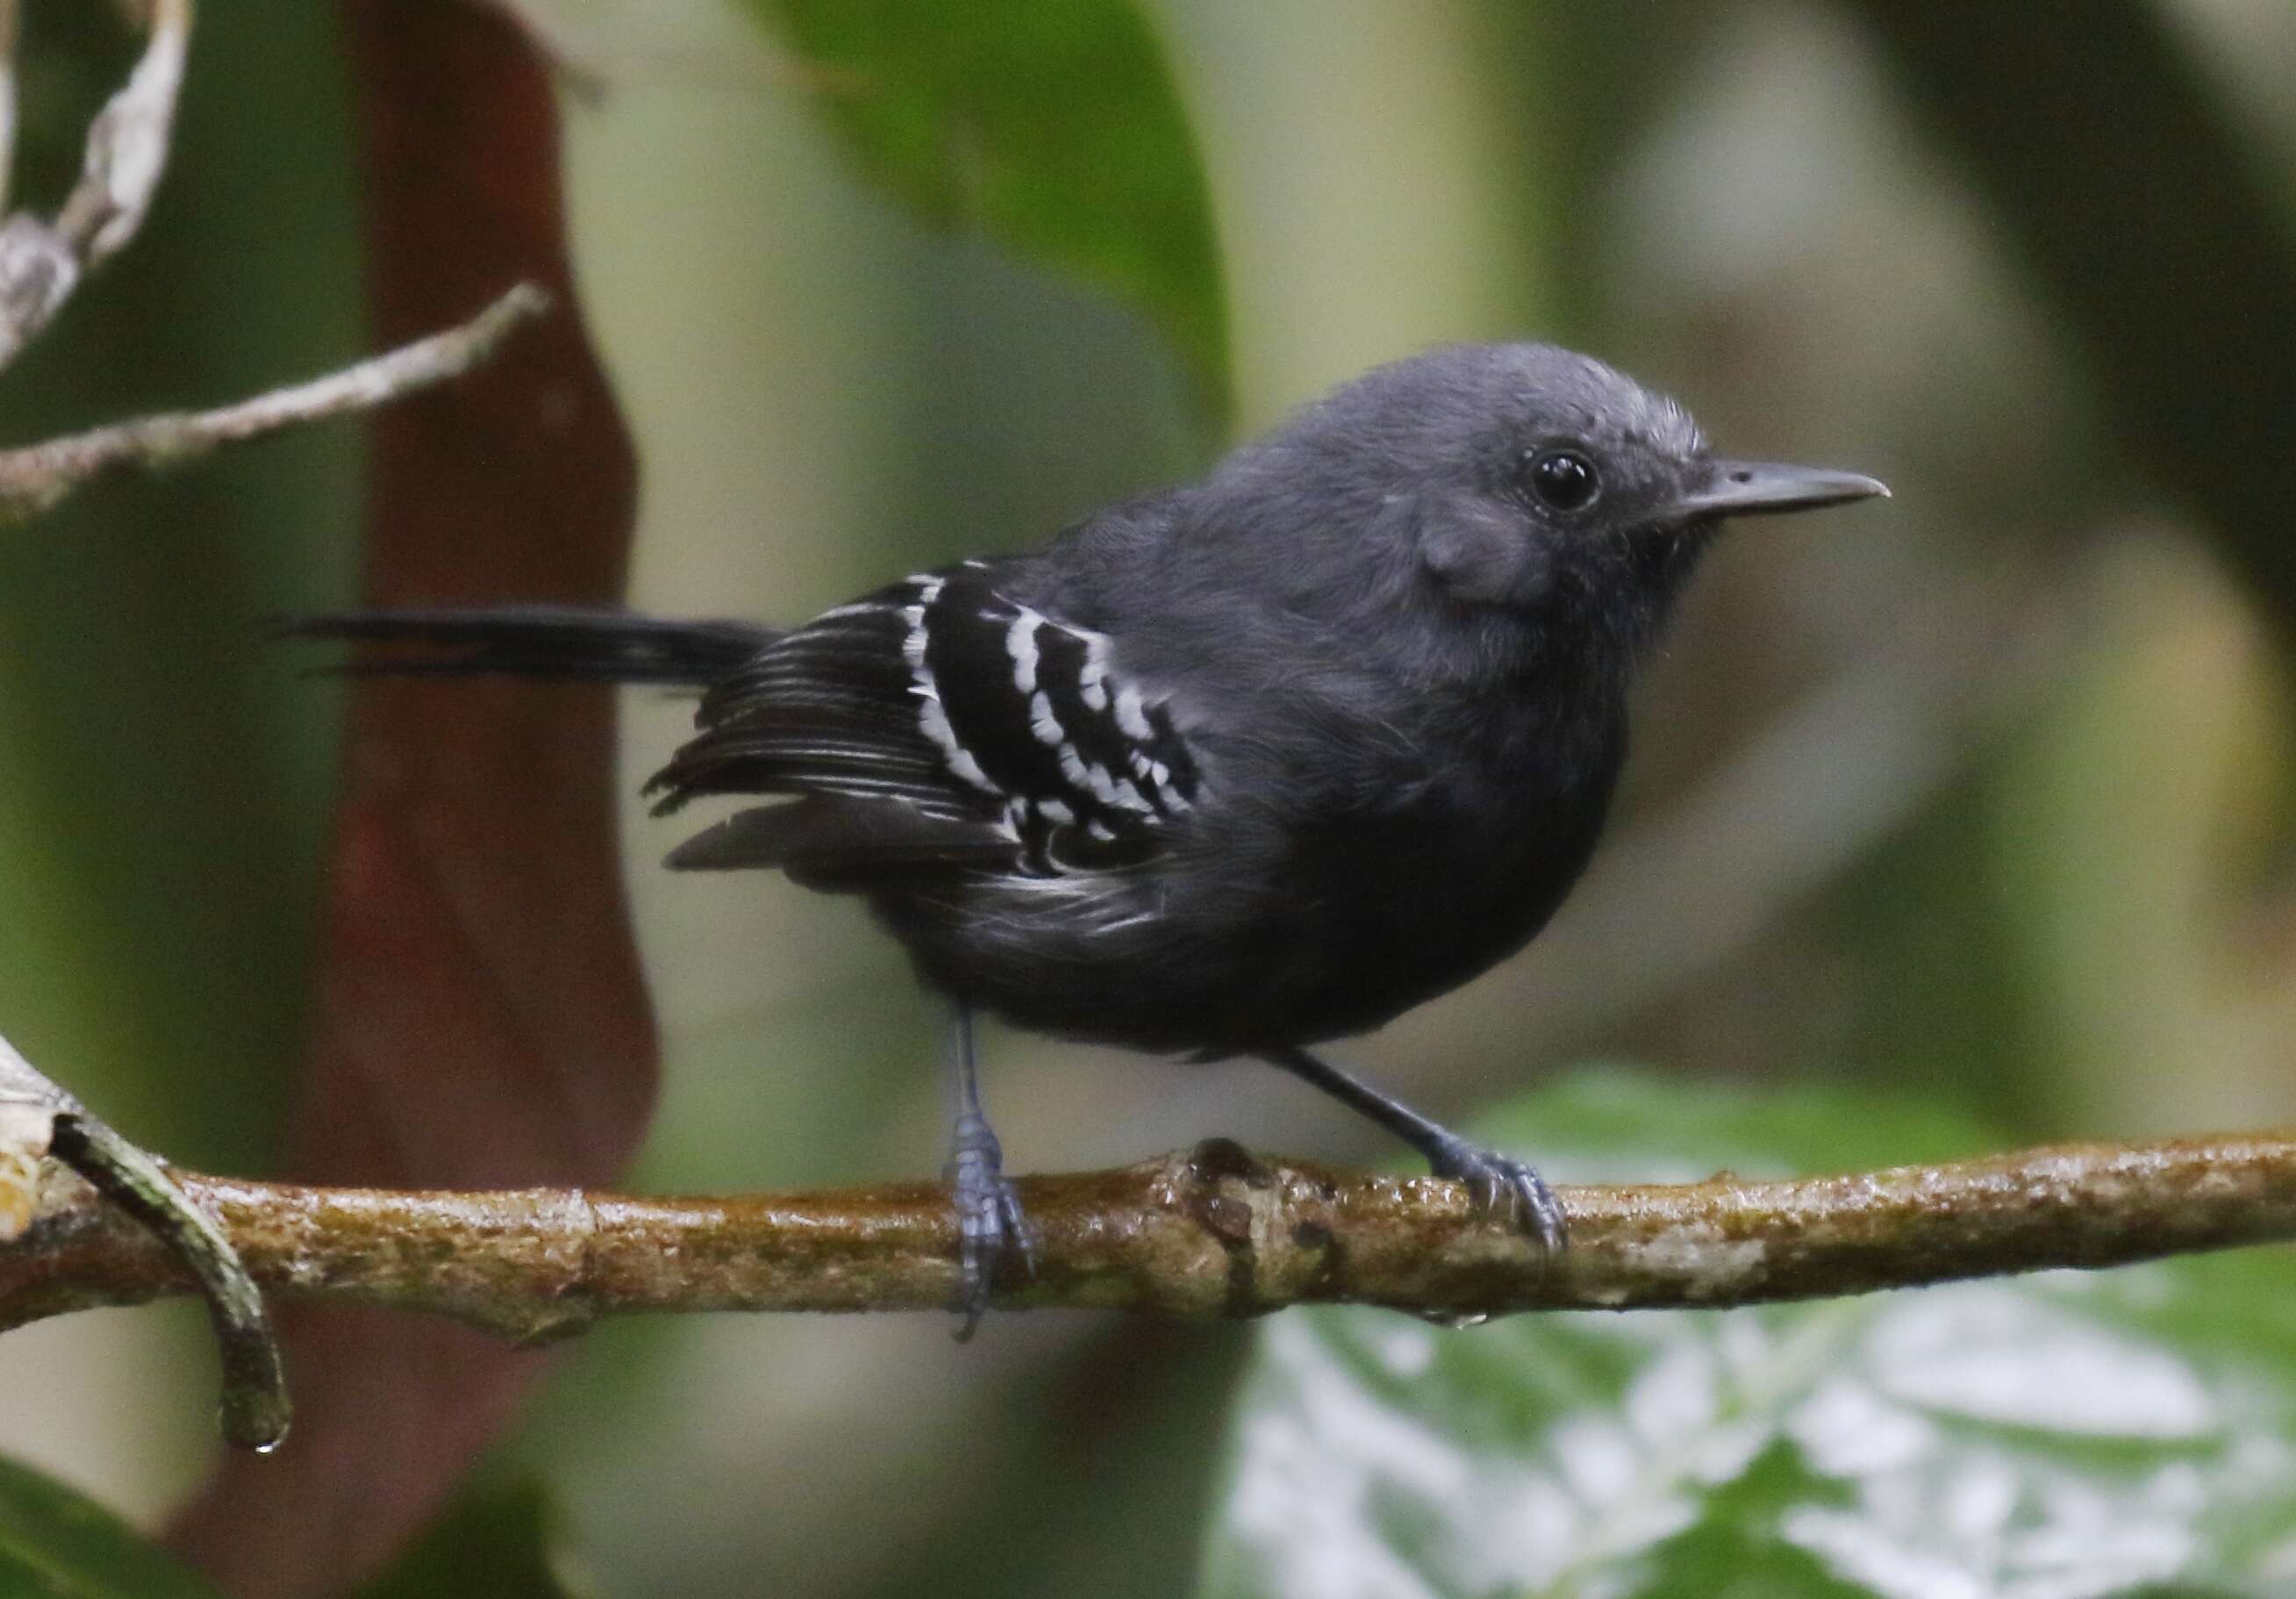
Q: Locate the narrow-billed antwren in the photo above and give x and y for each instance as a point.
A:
(1232, 768)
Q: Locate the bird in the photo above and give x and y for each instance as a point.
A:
(1235, 769)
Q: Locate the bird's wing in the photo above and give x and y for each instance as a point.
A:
(936, 721)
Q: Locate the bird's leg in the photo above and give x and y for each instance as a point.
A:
(1500, 1184)
(989, 1222)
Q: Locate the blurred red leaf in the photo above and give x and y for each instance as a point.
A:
(480, 1017)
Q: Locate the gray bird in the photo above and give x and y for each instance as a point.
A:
(1232, 769)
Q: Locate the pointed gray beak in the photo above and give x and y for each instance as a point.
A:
(1765, 488)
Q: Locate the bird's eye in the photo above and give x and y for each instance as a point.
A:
(1563, 478)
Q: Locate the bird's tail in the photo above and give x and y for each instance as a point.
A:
(535, 641)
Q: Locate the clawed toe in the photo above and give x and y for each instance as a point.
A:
(992, 1229)
(1508, 1190)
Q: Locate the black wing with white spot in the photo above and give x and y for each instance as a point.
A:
(942, 696)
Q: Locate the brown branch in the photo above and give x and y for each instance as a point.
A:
(38, 1118)
(1210, 1232)
(34, 477)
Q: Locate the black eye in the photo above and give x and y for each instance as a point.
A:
(1563, 478)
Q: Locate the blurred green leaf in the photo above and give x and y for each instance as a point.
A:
(499, 1542)
(2131, 1432)
(56, 1542)
(1050, 126)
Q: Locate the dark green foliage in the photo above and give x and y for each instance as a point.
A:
(495, 1542)
(1050, 126)
(56, 1544)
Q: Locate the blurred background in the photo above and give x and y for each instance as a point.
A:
(1981, 794)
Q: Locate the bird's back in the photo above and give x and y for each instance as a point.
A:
(1376, 824)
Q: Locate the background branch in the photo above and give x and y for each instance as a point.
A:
(41, 261)
(36, 476)
(1214, 1231)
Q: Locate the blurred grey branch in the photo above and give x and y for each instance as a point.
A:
(37, 1118)
(41, 260)
(1210, 1232)
(36, 476)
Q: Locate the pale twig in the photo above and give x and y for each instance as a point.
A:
(41, 262)
(1212, 1232)
(37, 1118)
(34, 477)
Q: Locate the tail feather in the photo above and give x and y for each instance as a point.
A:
(537, 641)
(841, 842)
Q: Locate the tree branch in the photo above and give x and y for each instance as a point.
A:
(37, 1118)
(42, 263)
(36, 476)
(1213, 1232)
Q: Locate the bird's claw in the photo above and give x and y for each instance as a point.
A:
(1506, 1190)
(991, 1226)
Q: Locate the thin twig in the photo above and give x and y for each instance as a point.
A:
(39, 1117)
(34, 477)
(1208, 1233)
(128, 143)
(42, 263)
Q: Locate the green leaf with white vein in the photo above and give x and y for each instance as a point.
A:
(2066, 1436)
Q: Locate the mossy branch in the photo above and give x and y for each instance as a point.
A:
(1212, 1232)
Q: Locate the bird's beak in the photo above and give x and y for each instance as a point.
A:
(1765, 489)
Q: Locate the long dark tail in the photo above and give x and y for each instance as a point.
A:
(536, 641)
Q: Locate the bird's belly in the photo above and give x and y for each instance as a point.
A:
(1421, 922)
(1357, 929)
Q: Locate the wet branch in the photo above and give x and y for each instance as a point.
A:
(38, 1119)
(1213, 1232)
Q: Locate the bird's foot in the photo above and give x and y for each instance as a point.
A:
(991, 1227)
(1504, 1189)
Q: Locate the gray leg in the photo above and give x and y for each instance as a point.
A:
(990, 1226)
(1500, 1184)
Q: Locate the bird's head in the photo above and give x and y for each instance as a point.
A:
(1534, 479)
